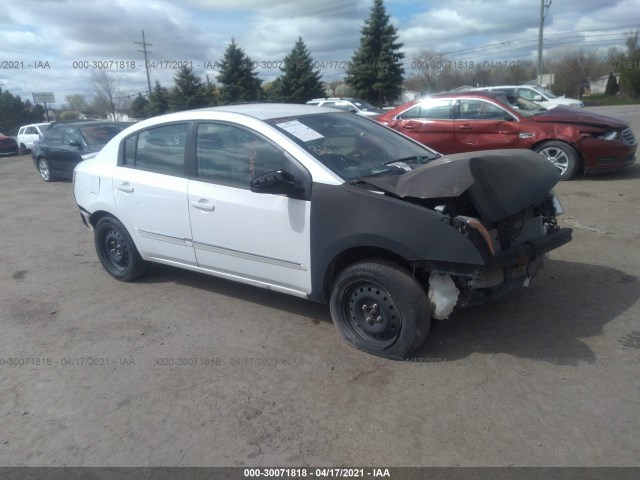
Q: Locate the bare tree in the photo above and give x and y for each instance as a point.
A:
(573, 70)
(430, 67)
(106, 88)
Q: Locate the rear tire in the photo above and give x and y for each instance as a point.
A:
(379, 308)
(44, 168)
(562, 155)
(116, 250)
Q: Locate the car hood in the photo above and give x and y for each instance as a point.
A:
(500, 182)
(571, 115)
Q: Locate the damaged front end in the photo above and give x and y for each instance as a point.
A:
(502, 201)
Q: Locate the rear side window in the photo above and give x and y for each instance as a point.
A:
(160, 149)
(434, 110)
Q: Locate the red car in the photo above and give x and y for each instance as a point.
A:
(573, 140)
(8, 145)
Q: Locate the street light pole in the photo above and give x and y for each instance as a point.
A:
(544, 9)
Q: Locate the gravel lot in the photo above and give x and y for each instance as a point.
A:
(181, 369)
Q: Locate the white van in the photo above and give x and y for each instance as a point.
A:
(28, 134)
(534, 93)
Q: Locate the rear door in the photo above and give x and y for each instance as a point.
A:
(150, 191)
(430, 122)
(483, 125)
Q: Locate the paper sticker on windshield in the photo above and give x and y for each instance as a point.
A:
(299, 130)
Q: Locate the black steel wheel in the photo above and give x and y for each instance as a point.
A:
(379, 308)
(116, 250)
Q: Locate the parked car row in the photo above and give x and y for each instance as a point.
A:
(64, 145)
(8, 145)
(29, 134)
(533, 93)
(573, 140)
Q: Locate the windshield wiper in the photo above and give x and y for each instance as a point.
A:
(413, 159)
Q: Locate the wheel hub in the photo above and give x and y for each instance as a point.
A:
(373, 312)
(115, 249)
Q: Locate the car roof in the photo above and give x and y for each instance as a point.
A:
(87, 123)
(468, 93)
(264, 111)
(508, 86)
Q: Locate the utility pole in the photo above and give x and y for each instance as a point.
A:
(544, 9)
(146, 62)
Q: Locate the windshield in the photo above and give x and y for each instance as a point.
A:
(543, 91)
(352, 146)
(100, 134)
(44, 127)
(363, 105)
(524, 107)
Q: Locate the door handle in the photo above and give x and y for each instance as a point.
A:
(409, 126)
(203, 206)
(125, 187)
(465, 127)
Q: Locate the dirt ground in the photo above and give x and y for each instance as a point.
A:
(182, 369)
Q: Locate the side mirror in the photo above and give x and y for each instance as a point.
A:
(276, 182)
(537, 98)
(75, 143)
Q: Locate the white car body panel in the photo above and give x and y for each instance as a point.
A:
(156, 205)
(259, 236)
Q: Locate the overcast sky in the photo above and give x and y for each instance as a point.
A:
(57, 33)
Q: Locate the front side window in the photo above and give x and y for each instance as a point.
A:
(71, 135)
(480, 110)
(160, 149)
(232, 156)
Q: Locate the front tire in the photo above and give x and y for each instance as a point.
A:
(44, 168)
(562, 155)
(116, 250)
(379, 308)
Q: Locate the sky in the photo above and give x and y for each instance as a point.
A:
(53, 45)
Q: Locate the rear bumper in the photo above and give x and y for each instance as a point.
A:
(85, 218)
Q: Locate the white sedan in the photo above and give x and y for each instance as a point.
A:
(324, 205)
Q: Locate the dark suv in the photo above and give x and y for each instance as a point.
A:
(67, 144)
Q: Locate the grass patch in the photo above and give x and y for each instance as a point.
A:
(602, 100)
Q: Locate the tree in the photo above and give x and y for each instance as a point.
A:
(573, 69)
(70, 115)
(210, 92)
(158, 100)
(239, 82)
(189, 91)
(300, 81)
(629, 67)
(430, 65)
(14, 112)
(139, 106)
(106, 88)
(376, 71)
(612, 85)
(76, 102)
